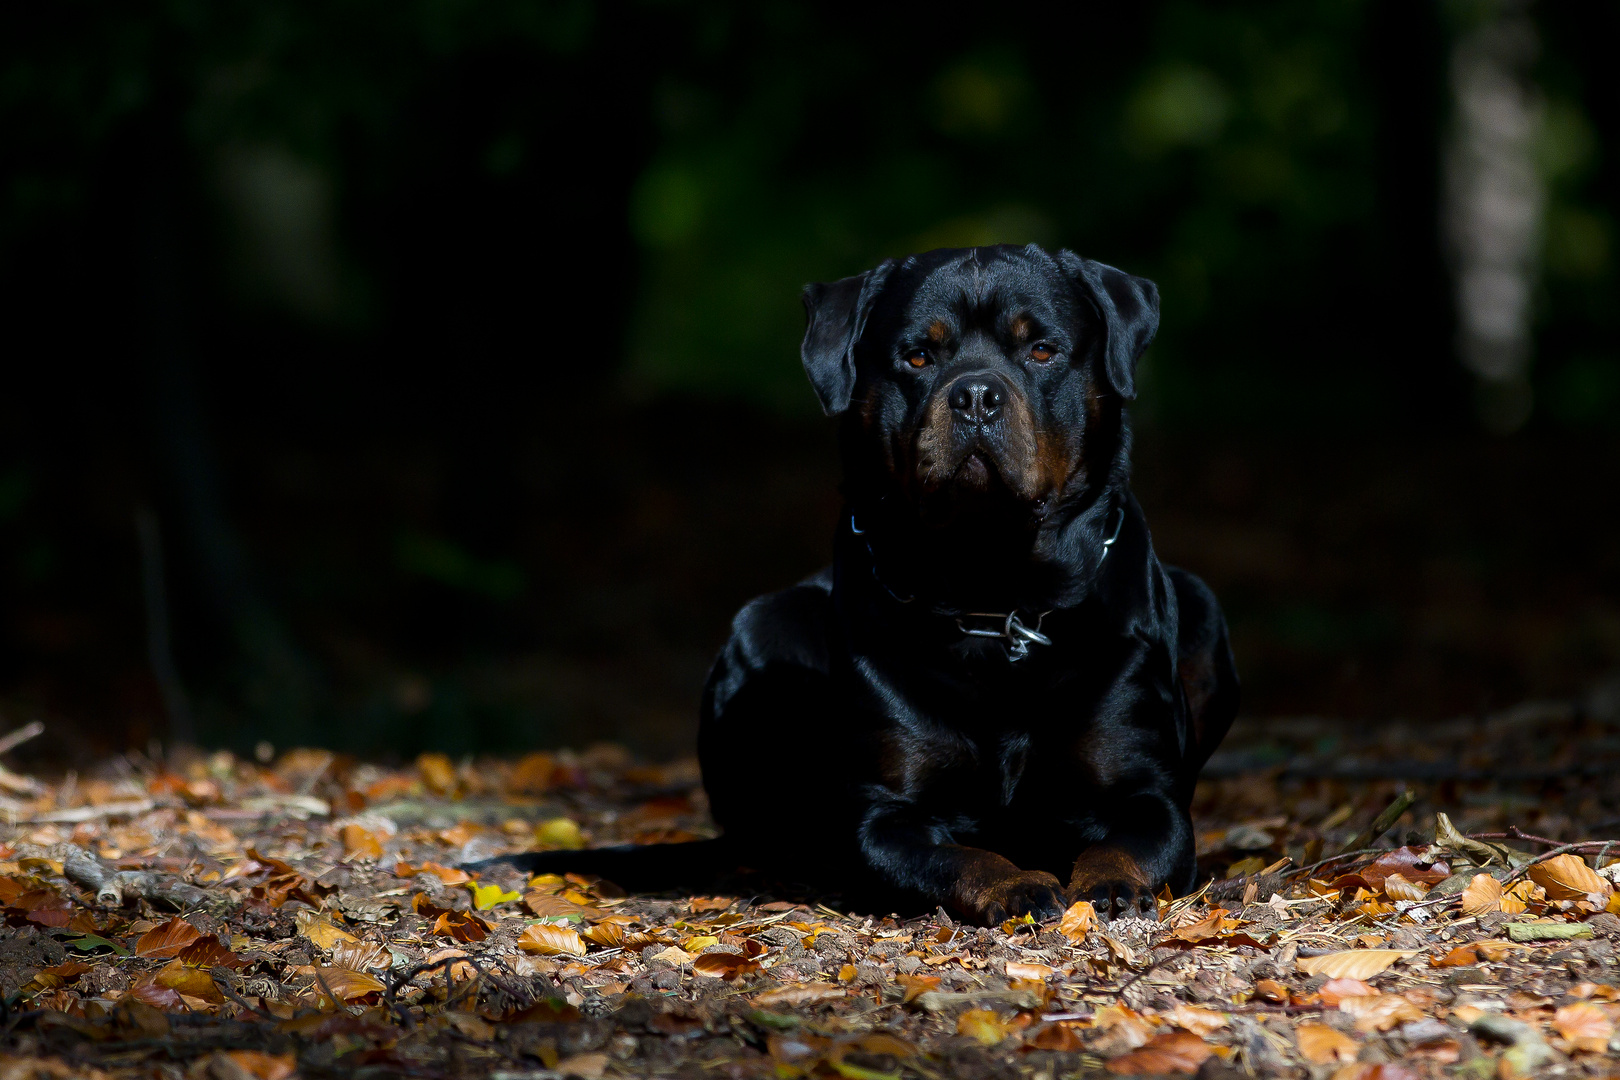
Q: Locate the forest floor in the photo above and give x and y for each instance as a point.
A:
(206, 916)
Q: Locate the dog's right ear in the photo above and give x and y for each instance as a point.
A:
(836, 314)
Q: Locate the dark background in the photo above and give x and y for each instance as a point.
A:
(426, 373)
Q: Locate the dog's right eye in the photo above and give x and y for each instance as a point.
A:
(918, 358)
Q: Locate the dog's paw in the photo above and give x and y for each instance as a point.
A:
(1027, 892)
(1114, 884)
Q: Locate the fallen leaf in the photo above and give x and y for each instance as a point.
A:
(437, 773)
(1380, 1012)
(1059, 1037)
(724, 965)
(704, 904)
(800, 994)
(548, 939)
(189, 981)
(360, 842)
(982, 1025)
(1586, 1026)
(1322, 1045)
(463, 926)
(1336, 990)
(589, 1066)
(164, 941)
(1461, 956)
(1172, 1052)
(1409, 862)
(1270, 990)
(1017, 969)
(1397, 887)
(321, 931)
(1202, 1022)
(558, 833)
(1567, 877)
(487, 896)
(1483, 895)
(917, 985)
(361, 956)
(1078, 921)
(207, 952)
(1352, 963)
(447, 874)
(346, 985)
(549, 906)
(263, 1066)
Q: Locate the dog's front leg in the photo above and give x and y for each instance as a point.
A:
(910, 849)
(1146, 844)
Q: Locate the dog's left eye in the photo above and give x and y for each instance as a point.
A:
(918, 358)
(1042, 351)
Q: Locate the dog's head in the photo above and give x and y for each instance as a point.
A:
(978, 381)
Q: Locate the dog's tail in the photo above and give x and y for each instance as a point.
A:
(633, 867)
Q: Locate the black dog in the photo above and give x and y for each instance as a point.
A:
(996, 699)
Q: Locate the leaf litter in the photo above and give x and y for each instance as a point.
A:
(209, 917)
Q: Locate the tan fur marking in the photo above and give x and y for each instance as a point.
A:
(938, 331)
(1020, 328)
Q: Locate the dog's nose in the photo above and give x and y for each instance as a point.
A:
(977, 398)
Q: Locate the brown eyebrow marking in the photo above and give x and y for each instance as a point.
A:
(1020, 327)
(938, 331)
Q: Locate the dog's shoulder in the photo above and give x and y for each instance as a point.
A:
(786, 627)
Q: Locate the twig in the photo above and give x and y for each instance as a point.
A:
(1382, 823)
(13, 739)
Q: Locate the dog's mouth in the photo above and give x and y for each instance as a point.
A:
(977, 472)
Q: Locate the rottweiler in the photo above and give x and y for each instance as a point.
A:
(996, 699)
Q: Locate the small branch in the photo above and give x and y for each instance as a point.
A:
(13, 739)
(1382, 823)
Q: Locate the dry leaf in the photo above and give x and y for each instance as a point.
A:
(1201, 1022)
(361, 956)
(983, 1025)
(1483, 895)
(1059, 1037)
(724, 965)
(1397, 887)
(1078, 921)
(164, 941)
(548, 939)
(1353, 963)
(321, 932)
(1019, 970)
(1380, 1012)
(1336, 990)
(800, 994)
(262, 1066)
(1172, 1052)
(1586, 1026)
(559, 833)
(1322, 1045)
(1461, 956)
(917, 985)
(360, 842)
(1567, 877)
(590, 1066)
(346, 985)
(487, 896)
(189, 981)
(609, 935)
(464, 927)
(207, 952)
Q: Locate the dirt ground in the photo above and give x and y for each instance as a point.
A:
(206, 916)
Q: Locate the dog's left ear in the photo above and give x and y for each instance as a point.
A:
(1129, 307)
(836, 314)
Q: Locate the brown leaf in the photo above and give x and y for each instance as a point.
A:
(159, 997)
(549, 939)
(589, 1066)
(189, 981)
(262, 1066)
(917, 985)
(1567, 877)
(609, 935)
(360, 842)
(723, 965)
(447, 874)
(1270, 990)
(1059, 1037)
(361, 956)
(801, 994)
(704, 904)
(1397, 887)
(207, 952)
(1353, 963)
(1586, 1026)
(1019, 970)
(1198, 1021)
(1380, 1012)
(1407, 862)
(1078, 921)
(1322, 1045)
(466, 927)
(164, 941)
(1172, 1052)
(346, 985)
(1461, 956)
(549, 906)
(1483, 895)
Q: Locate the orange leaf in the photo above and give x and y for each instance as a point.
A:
(164, 942)
(703, 904)
(1461, 956)
(1380, 1012)
(1336, 990)
(551, 940)
(548, 906)
(189, 981)
(1019, 970)
(160, 997)
(1196, 1020)
(346, 985)
(262, 1066)
(462, 926)
(1483, 895)
(1567, 877)
(360, 842)
(1397, 887)
(801, 994)
(447, 874)
(1172, 1052)
(724, 965)
(1060, 1037)
(1322, 1045)
(1078, 921)
(917, 985)
(983, 1025)
(1586, 1026)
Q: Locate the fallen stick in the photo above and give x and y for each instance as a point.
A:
(116, 888)
(13, 739)
(1382, 823)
